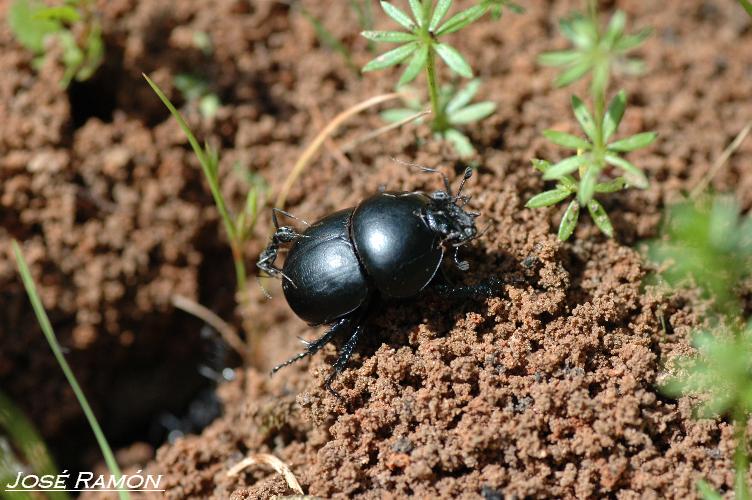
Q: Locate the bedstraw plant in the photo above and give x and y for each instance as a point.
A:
(75, 26)
(421, 45)
(707, 244)
(597, 52)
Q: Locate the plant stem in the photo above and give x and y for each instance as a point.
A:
(741, 457)
(439, 120)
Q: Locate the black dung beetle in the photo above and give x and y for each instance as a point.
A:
(389, 246)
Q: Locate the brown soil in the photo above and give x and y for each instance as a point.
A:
(546, 390)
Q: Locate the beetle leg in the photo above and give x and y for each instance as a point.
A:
(462, 265)
(282, 235)
(316, 345)
(342, 360)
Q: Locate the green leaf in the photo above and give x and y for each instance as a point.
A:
(454, 60)
(396, 115)
(463, 97)
(391, 58)
(64, 13)
(567, 182)
(579, 30)
(29, 30)
(473, 113)
(634, 175)
(569, 221)
(398, 15)
(547, 198)
(462, 19)
(438, 13)
(611, 186)
(573, 74)
(587, 184)
(706, 491)
(461, 142)
(541, 165)
(417, 9)
(388, 36)
(564, 167)
(747, 6)
(634, 142)
(559, 58)
(584, 117)
(567, 140)
(615, 27)
(629, 42)
(600, 217)
(416, 64)
(614, 114)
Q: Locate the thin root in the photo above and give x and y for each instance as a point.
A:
(275, 463)
(720, 162)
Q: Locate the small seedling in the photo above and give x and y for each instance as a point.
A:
(238, 227)
(709, 245)
(49, 334)
(722, 375)
(457, 110)
(597, 52)
(74, 24)
(419, 46)
(196, 89)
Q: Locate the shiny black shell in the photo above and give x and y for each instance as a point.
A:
(325, 281)
(398, 250)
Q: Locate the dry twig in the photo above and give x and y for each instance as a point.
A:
(273, 462)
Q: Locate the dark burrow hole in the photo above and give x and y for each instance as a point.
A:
(95, 97)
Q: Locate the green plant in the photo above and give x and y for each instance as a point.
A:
(747, 6)
(457, 110)
(74, 24)
(30, 447)
(419, 46)
(238, 227)
(196, 89)
(598, 52)
(707, 243)
(49, 334)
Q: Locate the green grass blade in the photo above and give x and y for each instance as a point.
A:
(203, 158)
(44, 323)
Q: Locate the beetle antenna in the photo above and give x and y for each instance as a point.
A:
(275, 211)
(423, 168)
(468, 173)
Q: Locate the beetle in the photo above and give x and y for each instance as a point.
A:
(389, 246)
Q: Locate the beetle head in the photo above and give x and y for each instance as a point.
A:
(447, 215)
